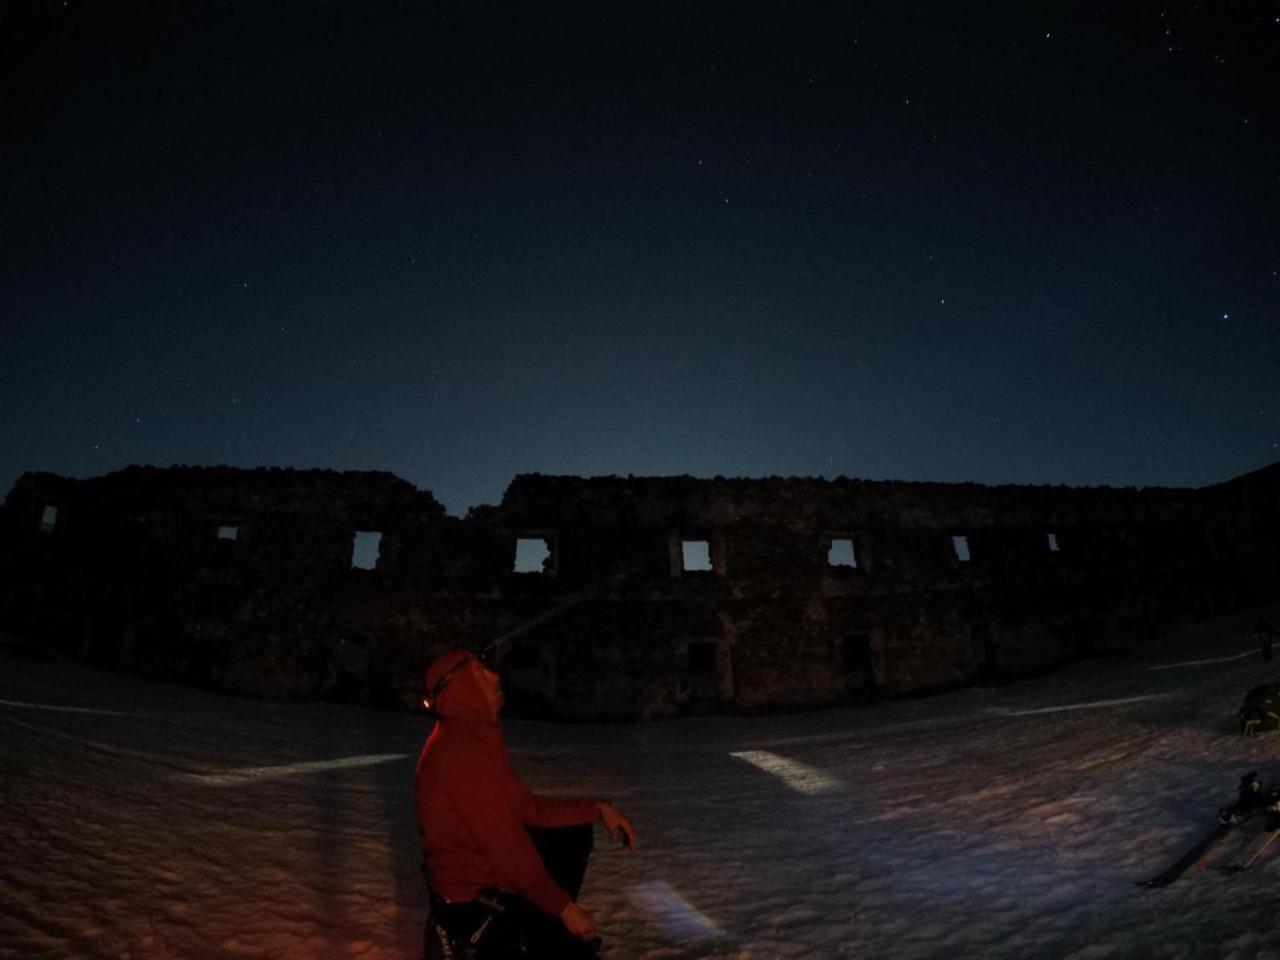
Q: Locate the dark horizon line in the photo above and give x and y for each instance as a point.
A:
(627, 478)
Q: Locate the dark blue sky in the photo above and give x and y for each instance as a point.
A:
(1007, 242)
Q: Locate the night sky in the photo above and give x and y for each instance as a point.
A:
(1018, 242)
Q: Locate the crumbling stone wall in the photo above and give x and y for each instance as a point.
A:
(244, 580)
(919, 616)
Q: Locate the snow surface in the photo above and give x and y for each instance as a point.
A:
(146, 820)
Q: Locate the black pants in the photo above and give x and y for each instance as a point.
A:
(503, 926)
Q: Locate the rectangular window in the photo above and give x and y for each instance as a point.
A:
(48, 519)
(986, 654)
(842, 553)
(857, 663)
(365, 547)
(1053, 543)
(960, 544)
(695, 556)
(703, 681)
(225, 545)
(533, 555)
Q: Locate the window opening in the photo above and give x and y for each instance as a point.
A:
(701, 658)
(533, 555)
(1053, 543)
(365, 548)
(842, 553)
(985, 652)
(225, 545)
(695, 556)
(856, 662)
(49, 518)
(960, 544)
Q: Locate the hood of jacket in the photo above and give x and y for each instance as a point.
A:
(462, 699)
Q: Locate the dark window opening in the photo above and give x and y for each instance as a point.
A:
(366, 545)
(986, 653)
(224, 552)
(857, 663)
(533, 555)
(701, 657)
(695, 556)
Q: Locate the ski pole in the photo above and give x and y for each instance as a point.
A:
(1262, 849)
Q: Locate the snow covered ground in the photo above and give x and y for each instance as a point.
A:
(145, 820)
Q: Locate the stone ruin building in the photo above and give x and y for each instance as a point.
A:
(670, 594)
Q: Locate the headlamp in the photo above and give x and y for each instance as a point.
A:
(433, 695)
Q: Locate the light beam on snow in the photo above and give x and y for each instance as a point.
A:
(1090, 705)
(674, 913)
(61, 709)
(1202, 663)
(232, 778)
(798, 776)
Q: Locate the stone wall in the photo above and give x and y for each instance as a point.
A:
(814, 591)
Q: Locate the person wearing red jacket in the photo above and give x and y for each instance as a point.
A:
(503, 865)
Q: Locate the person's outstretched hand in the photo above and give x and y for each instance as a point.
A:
(577, 922)
(619, 827)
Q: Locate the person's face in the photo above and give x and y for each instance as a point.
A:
(490, 685)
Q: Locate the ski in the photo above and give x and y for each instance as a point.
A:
(1249, 803)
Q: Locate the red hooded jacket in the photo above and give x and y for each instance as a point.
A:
(472, 810)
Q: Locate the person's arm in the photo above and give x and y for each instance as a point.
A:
(619, 827)
(541, 811)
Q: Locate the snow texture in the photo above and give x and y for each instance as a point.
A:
(144, 820)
